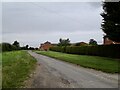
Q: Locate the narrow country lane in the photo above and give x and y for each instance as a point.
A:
(52, 73)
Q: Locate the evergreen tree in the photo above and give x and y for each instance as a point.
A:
(111, 20)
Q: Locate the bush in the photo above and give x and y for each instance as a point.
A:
(56, 48)
(7, 47)
(99, 50)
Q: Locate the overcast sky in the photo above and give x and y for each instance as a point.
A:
(36, 22)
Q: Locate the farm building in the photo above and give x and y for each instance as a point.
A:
(45, 46)
(107, 41)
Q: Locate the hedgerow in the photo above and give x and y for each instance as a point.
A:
(99, 50)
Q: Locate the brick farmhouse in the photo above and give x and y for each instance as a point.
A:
(107, 41)
(45, 46)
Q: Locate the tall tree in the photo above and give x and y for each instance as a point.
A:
(111, 20)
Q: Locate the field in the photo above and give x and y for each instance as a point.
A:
(104, 64)
(16, 67)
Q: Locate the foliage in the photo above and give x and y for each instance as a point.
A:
(77, 44)
(7, 47)
(36, 48)
(111, 20)
(92, 42)
(16, 44)
(24, 47)
(27, 46)
(94, 62)
(64, 42)
(16, 67)
(99, 50)
(58, 48)
(31, 48)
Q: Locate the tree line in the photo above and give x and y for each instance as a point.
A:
(110, 26)
(14, 46)
(66, 42)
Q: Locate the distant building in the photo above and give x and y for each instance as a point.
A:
(83, 43)
(107, 41)
(46, 46)
(79, 44)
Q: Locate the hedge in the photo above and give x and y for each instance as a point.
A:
(7, 47)
(112, 51)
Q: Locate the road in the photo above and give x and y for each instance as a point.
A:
(52, 73)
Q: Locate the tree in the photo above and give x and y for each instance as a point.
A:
(6, 47)
(92, 42)
(16, 43)
(111, 20)
(26, 47)
(23, 48)
(36, 48)
(31, 48)
(64, 42)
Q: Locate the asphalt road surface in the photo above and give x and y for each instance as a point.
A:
(52, 73)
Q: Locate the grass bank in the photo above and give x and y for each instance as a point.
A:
(104, 64)
(16, 67)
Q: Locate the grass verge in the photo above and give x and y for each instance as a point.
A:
(0, 70)
(104, 64)
(16, 67)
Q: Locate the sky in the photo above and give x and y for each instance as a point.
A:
(34, 23)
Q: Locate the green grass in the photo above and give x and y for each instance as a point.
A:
(104, 64)
(0, 70)
(16, 67)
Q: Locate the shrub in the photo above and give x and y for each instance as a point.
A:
(100, 50)
(56, 48)
(8, 47)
